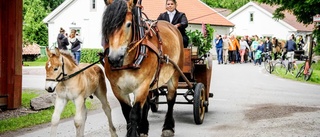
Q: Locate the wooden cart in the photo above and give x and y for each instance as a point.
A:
(195, 78)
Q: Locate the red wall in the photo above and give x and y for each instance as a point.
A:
(10, 53)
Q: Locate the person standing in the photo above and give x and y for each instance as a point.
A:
(291, 47)
(254, 47)
(218, 41)
(62, 40)
(247, 55)
(243, 46)
(76, 42)
(225, 47)
(178, 19)
(259, 51)
(267, 46)
(234, 45)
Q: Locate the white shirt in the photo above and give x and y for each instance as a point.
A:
(171, 15)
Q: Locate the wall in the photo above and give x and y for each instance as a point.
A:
(10, 53)
(263, 24)
(88, 20)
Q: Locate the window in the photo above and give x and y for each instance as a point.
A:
(93, 5)
(251, 17)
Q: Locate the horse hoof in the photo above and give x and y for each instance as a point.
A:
(167, 133)
(143, 135)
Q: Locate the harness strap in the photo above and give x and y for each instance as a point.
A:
(66, 76)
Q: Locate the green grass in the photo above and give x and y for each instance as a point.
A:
(41, 61)
(32, 119)
(315, 77)
(34, 63)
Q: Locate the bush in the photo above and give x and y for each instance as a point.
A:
(90, 55)
(202, 41)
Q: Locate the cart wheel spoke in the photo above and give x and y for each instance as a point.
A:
(199, 103)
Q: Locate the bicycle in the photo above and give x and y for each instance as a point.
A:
(292, 66)
(305, 69)
(280, 67)
(268, 65)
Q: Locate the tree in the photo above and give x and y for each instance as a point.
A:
(228, 4)
(34, 11)
(34, 30)
(304, 10)
(50, 5)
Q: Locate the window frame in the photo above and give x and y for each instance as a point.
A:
(93, 5)
(251, 16)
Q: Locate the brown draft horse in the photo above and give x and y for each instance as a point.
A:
(278, 47)
(118, 29)
(61, 64)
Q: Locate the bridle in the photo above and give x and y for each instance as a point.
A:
(63, 76)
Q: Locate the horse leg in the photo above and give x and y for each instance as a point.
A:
(135, 116)
(80, 116)
(169, 124)
(58, 108)
(101, 95)
(144, 123)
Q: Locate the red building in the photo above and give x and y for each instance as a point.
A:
(10, 53)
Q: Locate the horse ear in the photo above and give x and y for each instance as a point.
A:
(49, 54)
(131, 4)
(108, 2)
(57, 51)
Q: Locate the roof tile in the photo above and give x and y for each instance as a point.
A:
(289, 18)
(196, 11)
(33, 49)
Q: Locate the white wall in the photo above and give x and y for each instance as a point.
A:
(79, 13)
(262, 25)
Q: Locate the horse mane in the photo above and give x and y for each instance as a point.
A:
(69, 56)
(113, 17)
(66, 54)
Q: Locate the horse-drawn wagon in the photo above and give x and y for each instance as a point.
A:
(146, 58)
(195, 78)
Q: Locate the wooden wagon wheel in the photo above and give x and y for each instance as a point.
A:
(198, 104)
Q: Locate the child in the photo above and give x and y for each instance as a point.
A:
(258, 53)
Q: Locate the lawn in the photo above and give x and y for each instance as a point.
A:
(41, 61)
(38, 117)
(315, 77)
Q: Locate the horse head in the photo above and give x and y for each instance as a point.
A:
(117, 29)
(58, 65)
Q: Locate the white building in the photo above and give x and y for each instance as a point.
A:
(86, 16)
(82, 15)
(256, 19)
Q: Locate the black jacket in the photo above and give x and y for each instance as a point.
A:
(267, 46)
(179, 18)
(62, 41)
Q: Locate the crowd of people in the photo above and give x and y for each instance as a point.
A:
(73, 39)
(231, 50)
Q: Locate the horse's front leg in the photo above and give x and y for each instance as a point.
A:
(136, 124)
(60, 103)
(80, 116)
(102, 96)
(135, 116)
(169, 124)
(144, 123)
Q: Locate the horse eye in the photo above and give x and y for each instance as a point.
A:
(55, 69)
(128, 25)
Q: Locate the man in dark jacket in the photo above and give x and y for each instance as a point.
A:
(178, 19)
(290, 48)
(267, 45)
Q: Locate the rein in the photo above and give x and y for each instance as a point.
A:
(66, 76)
